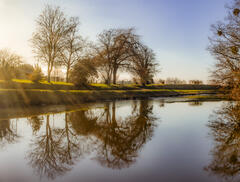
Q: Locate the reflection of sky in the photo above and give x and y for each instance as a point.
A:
(177, 30)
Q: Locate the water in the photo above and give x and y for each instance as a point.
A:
(145, 140)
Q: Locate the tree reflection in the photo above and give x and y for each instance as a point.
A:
(8, 132)
(116, 141)
(122, 139)
(36, 123)
(46, 155)
(225, 128)
(55, 150)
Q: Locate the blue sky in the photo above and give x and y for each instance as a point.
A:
(177, 30)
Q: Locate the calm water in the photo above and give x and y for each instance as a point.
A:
(145, 140)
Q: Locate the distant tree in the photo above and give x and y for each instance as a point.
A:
(9, 62)
(73, 46)
(143, 64)
(49, 39)
(175, 81)
(196, 82)
(224, 46)
(161, 81)
(23, 71)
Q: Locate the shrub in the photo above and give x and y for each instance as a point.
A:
(83, 72)
(37, 74)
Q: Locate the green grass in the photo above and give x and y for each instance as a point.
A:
(154, 85)
(114, 86)
(100, 85)
(56, 83)
(22, 81)
(63, 86)
(42, 82)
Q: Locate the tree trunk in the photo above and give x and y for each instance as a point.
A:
(67, 75)
(108, 81)
(49, 72)
(143, 82)
(49, 76)
(114, 75)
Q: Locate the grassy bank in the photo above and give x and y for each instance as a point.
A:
(28, 84)
(27, 97)
(18, 93)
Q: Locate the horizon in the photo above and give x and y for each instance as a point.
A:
(176, 31)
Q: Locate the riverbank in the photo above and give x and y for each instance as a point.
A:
(22, 93)
(30, 97)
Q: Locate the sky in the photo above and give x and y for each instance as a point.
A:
(177, 30)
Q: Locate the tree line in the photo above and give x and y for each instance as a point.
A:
(56, 42)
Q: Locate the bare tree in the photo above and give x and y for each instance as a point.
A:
(143, 63)
(224, 46)
(113, 50)
(9, 62)
(48, 40)
(73, 46)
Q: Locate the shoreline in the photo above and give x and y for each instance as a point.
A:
(35, 110)
(11, 98)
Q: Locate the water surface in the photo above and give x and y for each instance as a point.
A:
(143, 140)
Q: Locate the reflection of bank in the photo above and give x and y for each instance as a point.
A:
(195, 103)
(225, 129)
(115, 140)
(8, 132)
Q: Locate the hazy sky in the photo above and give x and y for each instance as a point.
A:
(177, 30)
